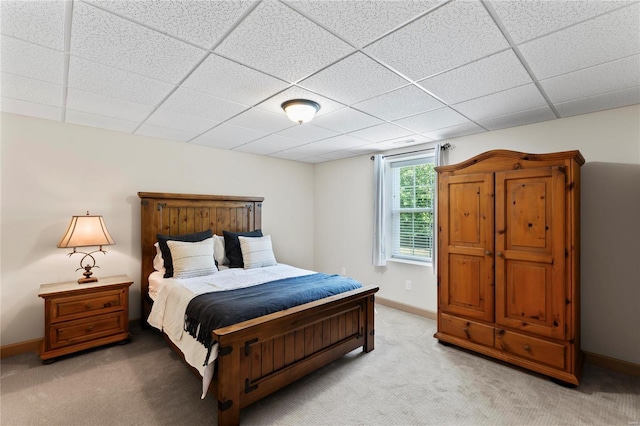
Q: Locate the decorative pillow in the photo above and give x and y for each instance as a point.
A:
(257, 252)
(192, 259)
(232, 246)
(158, 262)
(166, 253)
(218, 250)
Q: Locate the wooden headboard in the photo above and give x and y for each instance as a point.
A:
(177, 214)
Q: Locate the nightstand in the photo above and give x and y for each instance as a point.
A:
(83, 316)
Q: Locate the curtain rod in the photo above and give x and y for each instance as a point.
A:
(444, 147)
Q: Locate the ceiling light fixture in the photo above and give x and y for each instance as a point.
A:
(300, 110)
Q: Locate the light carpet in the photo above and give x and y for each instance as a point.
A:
(409, 379)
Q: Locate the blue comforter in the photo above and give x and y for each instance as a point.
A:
(210, 311)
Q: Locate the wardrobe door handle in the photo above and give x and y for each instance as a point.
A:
(499, 254)
(488, 253)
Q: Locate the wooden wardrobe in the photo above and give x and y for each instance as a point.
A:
(509, 259)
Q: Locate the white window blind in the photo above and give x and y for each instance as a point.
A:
(412, 205)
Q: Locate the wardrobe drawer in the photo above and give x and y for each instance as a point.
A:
(538, 350)
(72, 307)
(73, 332)
(465, 329)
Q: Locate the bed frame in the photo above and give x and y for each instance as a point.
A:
(259, 356)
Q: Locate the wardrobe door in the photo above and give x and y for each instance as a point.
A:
(466, 245)
(530, 251)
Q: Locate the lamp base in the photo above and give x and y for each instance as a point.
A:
(87, 280)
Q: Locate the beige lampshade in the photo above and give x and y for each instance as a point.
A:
(86, 231)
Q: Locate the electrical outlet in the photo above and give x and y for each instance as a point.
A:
(407, 285)
(343, 271)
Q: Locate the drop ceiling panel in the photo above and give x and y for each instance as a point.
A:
(29, 89)
(102, 79)
(361, 22)
(455, 34)
(403, 102)
(455, 131)
(346, 120)
(226, 79)
(190, 102)
(337, 143)
(307, 133)
(525, 20)
(268, 145)
(432, 120)
(262, 121)
(343, 81)
(227, 136)
(30, 60)
(102, 37)
(179, 121)
(80, 100)
(488, 75)
(608, 37)
(497, 104)
(518, 118)
(609, 77)
(199, 22)
(165, 133)
(32, 109)
(392, 73)
(381, 132)
(274, 104)
(101, 121)
(40, 22)
(281, 42)
(610, 100)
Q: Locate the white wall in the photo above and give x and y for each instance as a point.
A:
(51, 171)
(610, 209)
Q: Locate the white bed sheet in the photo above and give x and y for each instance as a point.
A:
(171, 297)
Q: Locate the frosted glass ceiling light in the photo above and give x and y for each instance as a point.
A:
(300, 110)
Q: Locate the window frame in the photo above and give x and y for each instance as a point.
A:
(393, 210)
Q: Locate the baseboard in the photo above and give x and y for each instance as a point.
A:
(20, 348)
(407, 308)
(612, 364)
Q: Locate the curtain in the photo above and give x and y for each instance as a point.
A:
(379, 252)
(438, 161)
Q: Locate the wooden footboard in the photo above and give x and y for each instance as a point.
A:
(260, 356)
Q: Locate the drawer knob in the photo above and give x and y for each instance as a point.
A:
(88, 305)
(466, 331)
(89, 328)
(107, 305)
(527, 348)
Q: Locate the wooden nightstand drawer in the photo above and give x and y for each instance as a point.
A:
(78, 331)
(538, 350)
(73, 307)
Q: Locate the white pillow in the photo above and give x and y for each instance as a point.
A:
(218, 250)
(257, 252)
(192, 259)
(158, 261)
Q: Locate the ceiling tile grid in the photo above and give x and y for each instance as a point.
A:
(386, 74)
(280, 41)
(199, 22)
(453, 35)
(111, 40)
(344, 81)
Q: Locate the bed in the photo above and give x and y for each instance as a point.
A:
(256, 357)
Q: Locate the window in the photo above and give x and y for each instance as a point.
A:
(410, 209)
